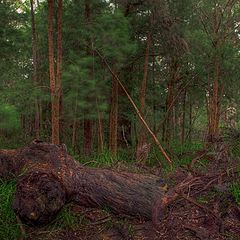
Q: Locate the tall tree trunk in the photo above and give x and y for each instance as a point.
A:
(214, 106)
(100, 133)
(142, 98)
(75, 126)
(113, 118)
(55, 82)
(174, 73)
(54, 116)
(87, 127)
(183, 118)
(59, 64)
(214, 83)
(34, 76)
(190, 119)
(87, 123)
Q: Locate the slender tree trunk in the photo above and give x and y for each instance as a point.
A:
(214, 83)
(113, 118)
(142, 98)
(154, 94)
(190, 119)
(183, 118)
(59, 65)
(87, 127)
(54, 124)
(35, 81)
(74, 133)
(87, 123)
(214, 107)
(55, 81)
(174, 73)
(168, 123)
(100, 133)
(75, 125)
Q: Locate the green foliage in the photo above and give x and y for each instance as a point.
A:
(235, 190)
(113, 37)
(9, 229)
(84, 92)
(177, 149)
(68, 219)
(9, 118)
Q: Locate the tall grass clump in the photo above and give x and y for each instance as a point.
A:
(9, 228)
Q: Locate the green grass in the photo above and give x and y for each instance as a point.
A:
(68, 219)
(235, 191)
(9, 229)
(177, 149)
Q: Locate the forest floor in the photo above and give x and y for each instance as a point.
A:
(209, 208)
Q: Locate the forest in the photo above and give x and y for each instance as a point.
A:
(119, 119)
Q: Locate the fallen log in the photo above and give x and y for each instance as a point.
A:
(48, 178)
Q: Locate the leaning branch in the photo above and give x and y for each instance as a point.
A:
(136, 109)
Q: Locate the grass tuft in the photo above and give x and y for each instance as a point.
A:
(9, 228)
(235, 190)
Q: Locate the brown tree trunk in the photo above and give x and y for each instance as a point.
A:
(142, 151)
(174, 73)
(35, 81)
(100, 133)
(50, 178)
(87, 127)
(87, 123)
(183, 118)
(214, 105)
(54, 124)
(55, 82)
(190, 120)
(59, 95)
(113, 119)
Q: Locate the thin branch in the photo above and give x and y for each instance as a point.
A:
(137, 110)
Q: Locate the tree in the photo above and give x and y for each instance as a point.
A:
(55, 80)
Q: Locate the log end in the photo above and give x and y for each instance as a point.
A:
(39, 197)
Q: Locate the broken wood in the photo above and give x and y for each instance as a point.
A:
(48, 178)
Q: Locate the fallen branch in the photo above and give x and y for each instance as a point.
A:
(137, 110)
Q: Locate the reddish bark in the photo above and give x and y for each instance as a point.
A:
(34, 76)
(113, 118)
(142, 134)
(55, 81)
(88, 123)
(49, 178)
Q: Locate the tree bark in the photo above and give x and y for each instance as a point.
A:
(88, 123)
(113, 119)
(55, 81)
(142, 151)
(87, 127)
(183, 117)
(50, 178)
(34, 76)
(59, 96)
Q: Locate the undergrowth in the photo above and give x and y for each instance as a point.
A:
(9, 229)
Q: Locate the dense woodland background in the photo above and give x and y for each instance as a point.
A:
(61, 63)
(145, 86)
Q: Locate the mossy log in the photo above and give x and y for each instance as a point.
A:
(48, 178)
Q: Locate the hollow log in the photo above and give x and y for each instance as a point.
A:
(48, 178)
